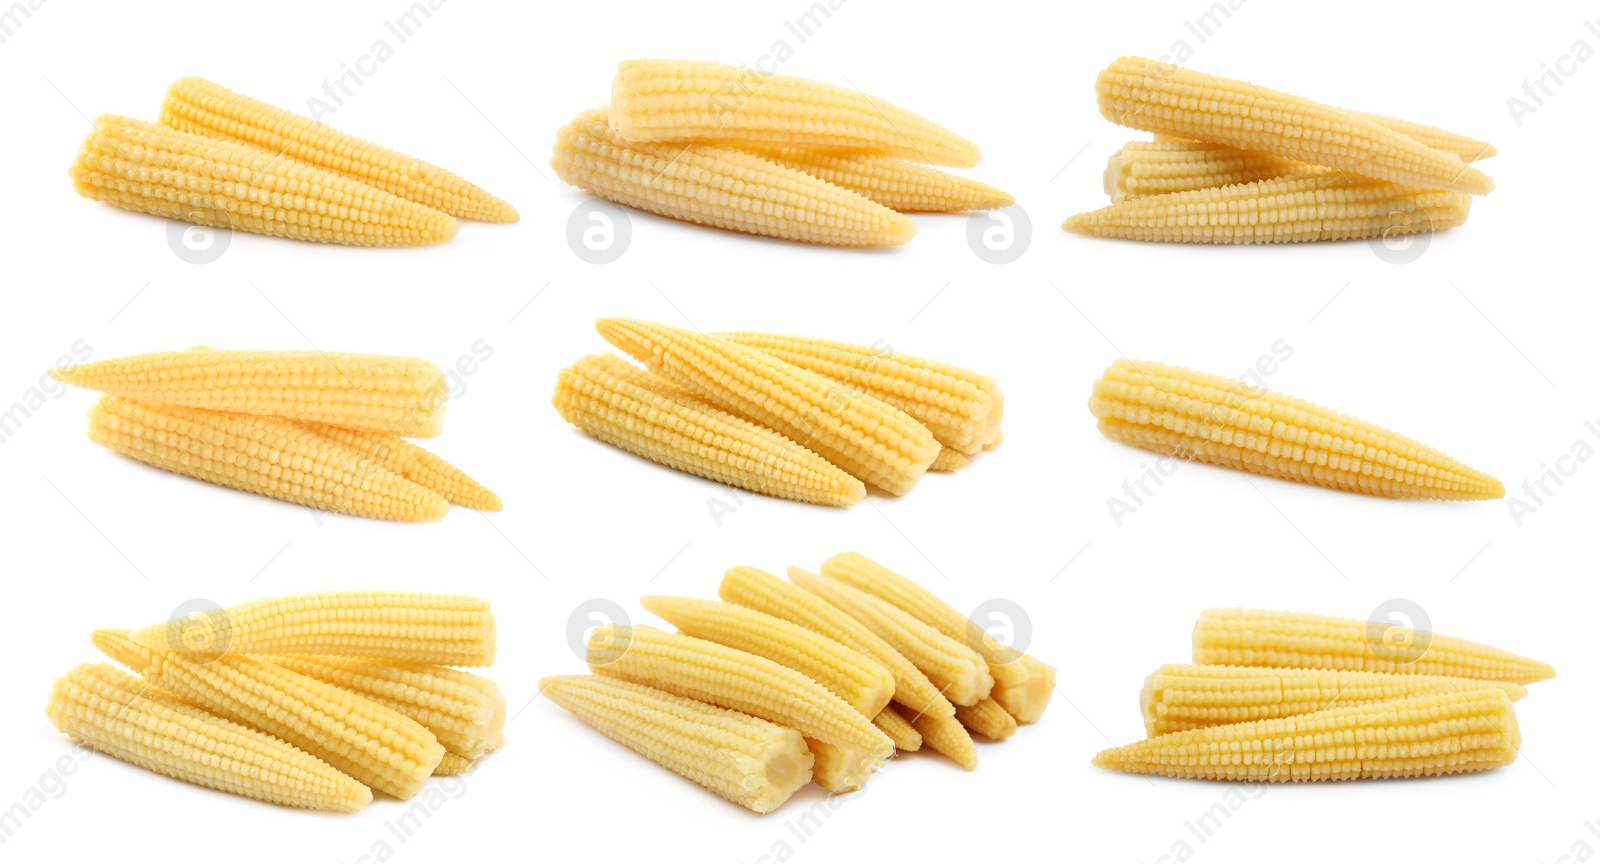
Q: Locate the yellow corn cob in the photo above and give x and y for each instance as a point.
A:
(905, 736)
(697, 669)
(1163, 98)
(988, 719)
(962, 408)
(616, 402)
(1144, 168)
(452, 764)
(1181, 696)
(115, 713)
(1469, 149)
(843, 769)
(903, 186)
(1257, 637)
(846, 672)
(720, 187)
(400, 626)
(1441, 733)
(949, 460)
(874, 442)
(747, 760)
(764, 592)
(203, 108)
(415, 464)
(946, 735)
(712, 103)
(467, 713)
(376, 745)
(148, 168)
(1224, 422)
(263, 455)
(1027, 701)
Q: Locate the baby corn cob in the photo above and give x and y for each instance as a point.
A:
(849, 674)
(616, 402)
(843, 769)
(949, 460)
(1166, 99)
(902, 186)
(905, 736)
(962, 408)
(415, 464)
(720, 187)
(1181, 696)
(711, 103)
(399, 626)
(697, 669)
(451, 764)
(1442, 733)
(1257, 637)
(946, 736)
(1027, 701)
(1469, 149)
(749, 761)
(1224, 422)
(988, 719)
(264, 455)
(374, 744)
(1144, 168)
(115, 713)
(874, 442)
(152, 169)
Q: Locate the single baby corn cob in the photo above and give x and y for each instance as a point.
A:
(415, 464)
(1181, 696)
(843, 769)
(849, 674)
(467, 713)
(697, 669)
(1144, 168)
(902, 186)
(376, 745)
(747, 760)
(1468, 149)
(399, 626)
(1166, 99)
(712, 103)
(874, 442)
(988, 719)
(115, 713)
(203, 108)
(618, 403)
(720, 187)
(264, 455)
(1257, 637)
(1441, 733)
(946, 736)
(764, 592)
(1224, 422)
(962, 408)
(451, 764)
(1027, 701)
(152, 169)
(949, 460)
(906, 738)
(398, 395)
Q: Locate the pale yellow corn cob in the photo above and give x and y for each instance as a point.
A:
(376, 745)
(1027, 701)
(962, 408)
(1209, 418)
(1144, 168)
(115, 713)
(906, 738)
(1160, 97)
(1442, 733)
(846, 672)
(843, 769)
(1469, 149)
(712, 103)
(263, 455)
(1257, 637)
(148, 168)
(764, 592)
(875, 442)
(452, 764)
(720, 187)
(400, 626)
(903, 186)
(618, 403)
(749, 761)
(203, 108)
(414, 463)
(958, 671)
(949, 460)
(946, 736)
(466, 712)
(697, 669)
(1182, 696)
(988, 719)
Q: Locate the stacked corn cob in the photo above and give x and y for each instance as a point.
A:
(1236, 163)
(1275, 696)
(819, 679)
(311, 700)
(805, 419)
(221, 159)
(766, 154)
(323, 430)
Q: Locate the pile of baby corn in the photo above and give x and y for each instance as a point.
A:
(228, 161)
(1279, 696)
(309, 700)
(769, 154)
(1237, 163)
(782, 684)
(805, 419)
(308, 427)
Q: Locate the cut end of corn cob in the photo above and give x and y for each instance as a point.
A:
(1027, 701)
(840, 769)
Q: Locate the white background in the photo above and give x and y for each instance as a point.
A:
(1483, 346)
